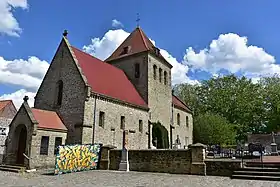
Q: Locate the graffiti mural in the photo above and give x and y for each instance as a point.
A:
(73, 158)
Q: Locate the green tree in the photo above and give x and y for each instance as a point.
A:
(187, 93)
(213, 129)
(271, 95)
(238, 100)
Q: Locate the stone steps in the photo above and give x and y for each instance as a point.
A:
(258, 171)
(256, 177)
(13, 168)
(265, 164)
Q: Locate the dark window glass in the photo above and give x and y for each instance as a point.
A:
(140, 126)
(44, 145)
(101, 118)
(122, 122)
(57, 142)
(137, 70)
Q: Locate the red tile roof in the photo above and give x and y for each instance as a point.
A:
(177, 102)
(138, 42)
(107, 80)
(48, 119)
(4, 103)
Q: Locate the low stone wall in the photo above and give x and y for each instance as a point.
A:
(154, 160)
(185, 161)
(221, 167)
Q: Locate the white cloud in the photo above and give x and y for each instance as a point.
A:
(17, 97)
(232, 53)
(179, 70)
(8, 23)
(25, 73)
(103, 48)
(116, 23)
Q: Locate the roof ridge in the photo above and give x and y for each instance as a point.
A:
(143, 39)
(86, 53)
(129, 36)
(6, 100)
(32, 108)
(181, 101)
(146, 38)
(101, 61)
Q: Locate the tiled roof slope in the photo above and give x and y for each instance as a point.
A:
(180, 104)
(4, 103)
(107, 79)
(137, 42)
(48, 119)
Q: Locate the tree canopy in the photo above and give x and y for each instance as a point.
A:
(213, 129)
(247, 106)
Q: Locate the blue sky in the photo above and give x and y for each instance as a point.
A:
(200, 38)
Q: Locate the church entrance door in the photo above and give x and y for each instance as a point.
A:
(160, 136)
(22, 132)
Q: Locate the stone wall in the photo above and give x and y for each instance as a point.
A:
(20, 122)
(44, 161)
(127, 64)
(63, 68)
(222, 167)
(4, 124)
(179, 161)
(184, 130)
(166, 161)
(159, 94)
(111, 133)
(184, 161)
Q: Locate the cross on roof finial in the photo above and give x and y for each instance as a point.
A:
(25, 99)
(65, 33)
(138, 19)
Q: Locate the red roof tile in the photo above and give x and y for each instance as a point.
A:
(108, 80)
(138, 42)
(48, 119)
(177, 102)
(4, 103)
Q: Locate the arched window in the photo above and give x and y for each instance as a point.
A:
(59, 92)
(160, 74)
(137, 70)
(187, 121)
(165, 77)
(155, 72)
(178, 119)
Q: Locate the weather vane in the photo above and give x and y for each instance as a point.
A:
(138, 19)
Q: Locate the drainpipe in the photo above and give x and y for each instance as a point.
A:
(171, 127)
(149, 134)
(172, 122)
(94, 114)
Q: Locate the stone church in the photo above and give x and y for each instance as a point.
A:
(83, 100)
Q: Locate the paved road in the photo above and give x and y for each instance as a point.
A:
(123, 179)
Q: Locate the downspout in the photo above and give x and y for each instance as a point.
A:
(171, 127)
(94, 114)
(149, 134)
(172, 121)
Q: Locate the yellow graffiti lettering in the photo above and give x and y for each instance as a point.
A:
(76, 158)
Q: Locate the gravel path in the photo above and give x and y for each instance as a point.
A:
(123, 179)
